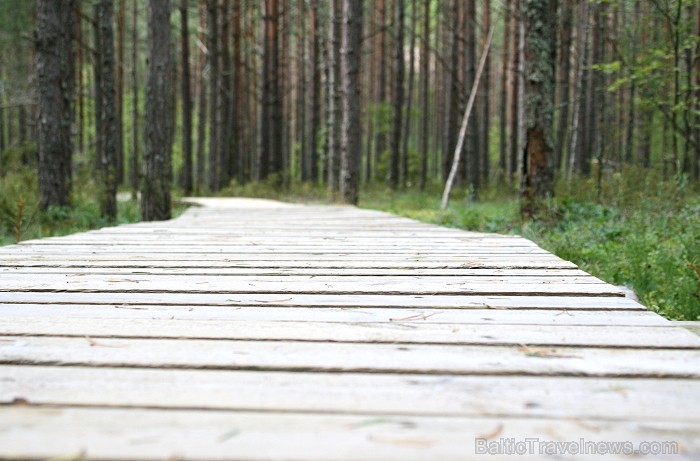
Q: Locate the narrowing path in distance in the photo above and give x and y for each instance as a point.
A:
(255, 330)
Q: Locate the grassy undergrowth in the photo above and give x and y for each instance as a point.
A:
(20, 216)
(633, 229)
(637, 231)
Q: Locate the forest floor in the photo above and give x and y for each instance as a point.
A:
(632, 229)
(640, 235)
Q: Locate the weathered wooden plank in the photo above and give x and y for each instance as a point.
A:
(267, 231)
(215, 435)
(495, 302)
(104, 238)
(361, 280)
(480, 396)
(260, 249)
(276, 272)
(570, 286)
(401, 331)
(693, 327)
(349, 357)
(281, 261)
(269, 313)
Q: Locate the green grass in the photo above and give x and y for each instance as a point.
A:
(639, 231)
(19, 189)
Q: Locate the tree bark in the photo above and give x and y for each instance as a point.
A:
(465, 123)
(485, 96)
(576, 112)
(310, 171)
(155, 201)
(452, 84)
(78, 25)
(186, 95)
(540, 55)
(336, 101)
(134, 163)
(225, 98)
(380, 135)
(235, 110)
(201, 173)
(2, 123)
(503, 100)
(106, 111)
(351, 128)
(425, 76)
(471, 146)
(395, 158)
(405, 161)
(270, 138)
(564, 68)
(55, 85)
(121, 30)
(214, 104)
(516, 90)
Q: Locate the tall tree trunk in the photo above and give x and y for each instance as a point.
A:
(695, 174)
(516, 90)
(588, 109)
(55, 84)
(270, 126)
(503, 100)
(155, 201)
(78, 25)
(200, 177)
(235, 111)
(310, 171)
(380, 135)
(453, 92)
(440, 100)
(336, 100)
(134, 164)
(394, 173)
(473, 140)
(186, 95)
(540, 56)
(409, 95)
(576, 111)
(225, 98)
(351, 128)
(22, 111)
(214, 105)
(485, 93)
(285, 86)
(425, 76)
(121, 30)
(300, 134)
(2, 121)
(564, 69)
(106, 159)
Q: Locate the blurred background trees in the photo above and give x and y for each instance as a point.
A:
(258, 91)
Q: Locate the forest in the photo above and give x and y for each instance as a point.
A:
(575, 122)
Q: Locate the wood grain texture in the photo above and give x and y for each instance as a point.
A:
(255, 330)
(145, 434)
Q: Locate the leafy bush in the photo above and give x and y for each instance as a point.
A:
(18, 185)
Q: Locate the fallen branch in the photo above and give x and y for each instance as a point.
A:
(465, 122)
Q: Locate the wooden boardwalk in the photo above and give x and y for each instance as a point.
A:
(255, 330)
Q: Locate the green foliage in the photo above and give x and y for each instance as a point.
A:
(18, 184)
(642, 232)
(272, 189)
